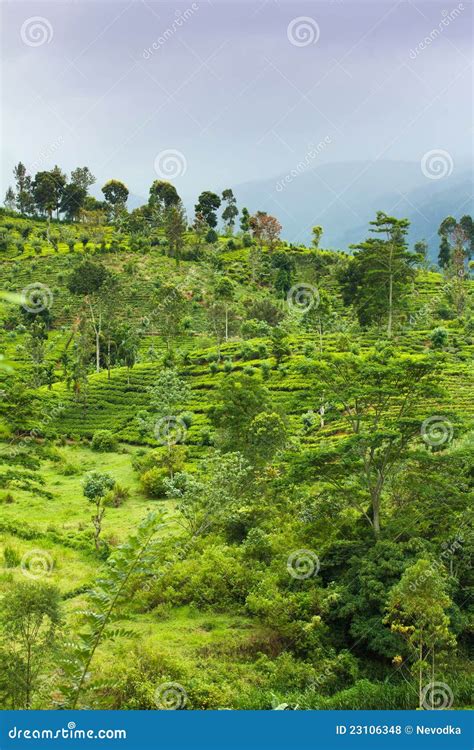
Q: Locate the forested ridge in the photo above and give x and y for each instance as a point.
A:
(234, 472)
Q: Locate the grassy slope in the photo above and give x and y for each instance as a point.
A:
(202, 640)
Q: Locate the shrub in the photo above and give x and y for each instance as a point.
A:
(117, 496)
(439, 338)
(153, 482)
(104, 441)
(11, 557)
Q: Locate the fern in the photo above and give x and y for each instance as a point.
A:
(133, 558)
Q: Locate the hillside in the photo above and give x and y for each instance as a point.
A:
(306, 446)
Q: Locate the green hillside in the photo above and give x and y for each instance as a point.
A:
(296, 444)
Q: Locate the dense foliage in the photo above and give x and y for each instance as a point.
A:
(229, 465)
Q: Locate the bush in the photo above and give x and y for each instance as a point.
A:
(439, 338)
(11, 557)
(153, 482)
(104, 441)
(117, 496)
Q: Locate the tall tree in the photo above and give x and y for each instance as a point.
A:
(116, 195)
(231, 211)
(175, 225)
(245, 220)
(82, 178)
(378, 395)
(207, 205)
(377, 279)
(24, 194)
(93, 283)
(163, 195)
(10, 199)
(224, 291)
(417, 609)
(30, 617)
(266, 229)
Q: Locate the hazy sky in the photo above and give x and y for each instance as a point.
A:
(240, 89)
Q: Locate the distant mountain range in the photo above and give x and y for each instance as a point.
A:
(344, 196)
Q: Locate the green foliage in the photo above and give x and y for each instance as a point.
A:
(104, 441)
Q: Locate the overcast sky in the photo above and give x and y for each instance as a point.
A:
(239, 89)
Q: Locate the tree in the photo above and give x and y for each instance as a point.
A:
(239, 399)
(204, 500)
(48, 189)
(93, 282)
(317, 234)
(167, 397)
(95, 486)
(417, 610)
(231, 211)
(163, 195)
(377, 279)
(457, 245)
(170, 311)
(72, 201)
(224, 291)
(10, 199)
(37, 336)
(30, 617)
(266, 435)
(266, 229)
(207, 205)
(280, 344)
(24, 195)
(116, 195)
(82, 178)
(377, 394)
(175, 225)
(245, 220)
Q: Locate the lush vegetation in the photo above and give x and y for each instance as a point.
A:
(235, 473)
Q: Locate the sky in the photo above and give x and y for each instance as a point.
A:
(214, 93)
